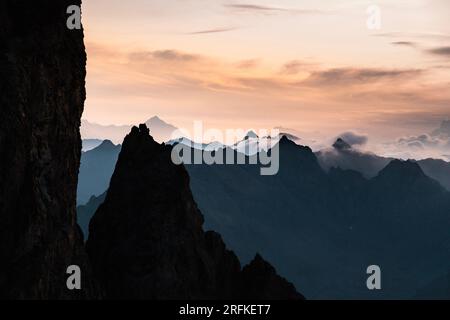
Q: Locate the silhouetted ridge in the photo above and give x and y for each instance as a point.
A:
(285, 140)
(400, 172)
(405, 181)
(289, 136)
(147, 235)
(106, 145)
(401, 168)
(260, 281)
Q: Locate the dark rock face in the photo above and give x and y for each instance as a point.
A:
(42, 79)
(260, 281)
(146, 240)
(96, 168)
(86, 212)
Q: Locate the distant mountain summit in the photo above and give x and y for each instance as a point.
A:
(402, 170)
(96, 168)
(340, 144)
(89, 144)
(369, 164)
(106, 145)
(251, 135)
(160, 130)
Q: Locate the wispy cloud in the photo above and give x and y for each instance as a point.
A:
(405, 43)
(432, 36)
(293, 67)
(246, 7)
(168, 55)
(209, 31)
(353, 138)
(248, 64)
(441, 51)
(354, 76)
(175, 75)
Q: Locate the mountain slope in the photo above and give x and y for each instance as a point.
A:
(96, 168)
(322, 230)
(148, 236)
(342, 155)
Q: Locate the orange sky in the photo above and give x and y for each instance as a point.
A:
(312, 66)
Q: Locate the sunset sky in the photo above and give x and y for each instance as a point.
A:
(310, 66)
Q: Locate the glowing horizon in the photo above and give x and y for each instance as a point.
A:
(310, 66)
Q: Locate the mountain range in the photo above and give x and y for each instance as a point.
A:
(344, 156)
(321, 225)
(147, 235)
(160, 130)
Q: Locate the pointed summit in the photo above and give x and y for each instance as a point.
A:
(284, 139)
(106, 145)
(289, 136)
(148, 236)
(251, 134)
(340, 144)
(160, 130)
(399, 168)
(155, 119)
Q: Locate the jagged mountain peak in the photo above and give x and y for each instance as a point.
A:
(148, 235)
(289, 136)
(142, 132)
(406, 168)
(341, 144)
(285, 140)
(262, 280)
(106, 145)
(251, 135)
(407, 175)
(157, 121)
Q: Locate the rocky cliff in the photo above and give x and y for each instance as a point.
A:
(42, 86)
(146, 240)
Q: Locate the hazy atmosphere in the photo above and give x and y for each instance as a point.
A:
(314, 68)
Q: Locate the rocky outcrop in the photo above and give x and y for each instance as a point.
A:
(259, 280)
(42, 68)
(146, 240)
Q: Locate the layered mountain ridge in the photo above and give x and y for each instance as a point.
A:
(148, 236)
(313, 223)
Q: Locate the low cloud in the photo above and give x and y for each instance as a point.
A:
(428, 145)
(353, 138)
